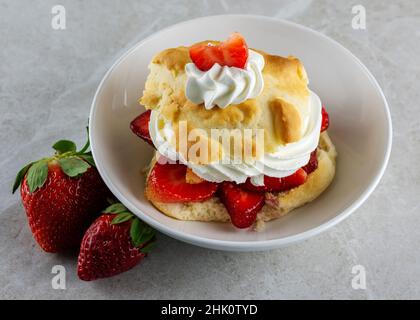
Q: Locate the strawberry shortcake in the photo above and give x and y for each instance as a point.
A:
(238, 135)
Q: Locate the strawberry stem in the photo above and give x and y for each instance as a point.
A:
(74, 163)
(87, 144)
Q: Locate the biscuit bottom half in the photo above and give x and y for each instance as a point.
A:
(277, 204)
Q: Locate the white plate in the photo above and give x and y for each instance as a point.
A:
(360, 129)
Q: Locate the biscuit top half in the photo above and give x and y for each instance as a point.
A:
(280, 109)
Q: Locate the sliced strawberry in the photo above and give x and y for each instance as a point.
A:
(140, 126)
(312, 164)
(270, 184)
(296, 179)
(205, 56)
(325, 120)
(232, 53)
(241, 205)
(247, 185)
(167, 183)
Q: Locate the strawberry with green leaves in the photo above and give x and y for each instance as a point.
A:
(62, 195)
(114, 243)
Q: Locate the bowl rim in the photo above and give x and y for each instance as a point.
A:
(229, 245)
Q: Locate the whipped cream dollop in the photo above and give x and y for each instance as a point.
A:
(284, 161)
(223, 86)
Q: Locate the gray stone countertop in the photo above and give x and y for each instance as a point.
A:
(47, 81)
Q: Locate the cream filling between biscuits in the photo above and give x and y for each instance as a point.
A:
(281, 163)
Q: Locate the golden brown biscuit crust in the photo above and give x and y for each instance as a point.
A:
(284, 80)
(286, 121)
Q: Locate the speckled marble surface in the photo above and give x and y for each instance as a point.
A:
(47, 82)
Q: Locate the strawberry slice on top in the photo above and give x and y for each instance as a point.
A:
(232, 53)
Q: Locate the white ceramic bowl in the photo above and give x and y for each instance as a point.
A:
(360, 129)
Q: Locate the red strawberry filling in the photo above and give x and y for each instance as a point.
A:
(140, 126)
(244, 201)
(312, 164)
(272, 184)
(325, 120)
(242, 205)
(167, 183)
(232, 53)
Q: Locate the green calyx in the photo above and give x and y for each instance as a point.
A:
(73, 163)
(142, 235)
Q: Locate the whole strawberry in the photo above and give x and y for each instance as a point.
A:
(62, 195)
(114, 243)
